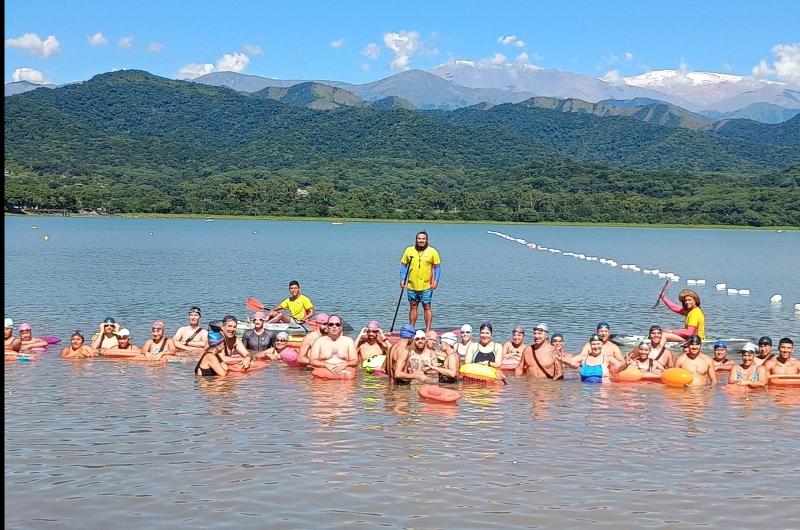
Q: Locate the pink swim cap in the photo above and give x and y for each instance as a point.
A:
(158, 324)
(260, 316)
(373, 324)
(24, 327)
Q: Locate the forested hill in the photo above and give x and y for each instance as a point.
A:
(151, 144)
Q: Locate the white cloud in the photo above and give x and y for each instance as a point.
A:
(522, 58)
(507, 40)
(371, 51)
(787, 66)
(498, 59)
(252, 50)
(192, 70)
(404, 45)
(155, 47)
(33, 44)
(365, 67)
(125, 43)
(233, 62)
(612, 76)
(30, 75)
(762, 69)
(338, 43)
(98, 39)
(628, 56)
(230, 62)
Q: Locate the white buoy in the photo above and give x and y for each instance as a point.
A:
(701, 282)
(733, 291)
(648, 271)
(662, 274)
(691, 282)
(744, 292)
(776, 298)
(581, 256)
(35, 227)
(655, 272)
(720, 287)
(797, 308)
(675, 278)
(46, 237)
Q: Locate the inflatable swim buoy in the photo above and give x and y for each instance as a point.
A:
(784, 380)
(676, 377)
(631, 374)
(373, 363)
(257, 364)
(437, 393)
(323, 373)
(51, 340)
(289, 356)
(651, 377)
(510, 365)
(479, 372)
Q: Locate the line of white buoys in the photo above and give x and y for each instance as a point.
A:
(662, 274)
(733, 291)
(744, 292)
(720, 287)
(701, 282)
(776, 299)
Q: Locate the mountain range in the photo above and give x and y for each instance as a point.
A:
(459, 83)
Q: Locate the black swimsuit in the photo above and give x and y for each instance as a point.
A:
(206, 372)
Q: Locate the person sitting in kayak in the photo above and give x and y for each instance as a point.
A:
(694, 323)
(299, 306)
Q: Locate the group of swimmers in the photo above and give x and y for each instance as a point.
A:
(416, 355)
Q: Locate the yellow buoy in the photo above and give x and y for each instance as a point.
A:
(676, 377)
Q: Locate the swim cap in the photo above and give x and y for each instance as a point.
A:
(694, 339)
(322, 318)
(282, 335)
(419, 334)
(109, 320)
(158, 324)
(449, 338)
(720, 344)
(407, 331)
(373, 325)
(603, 324)
(9, 323)
(595, 337)
(466, 328)
(655, 328)
(124, 332)
(195, 309)
(24, 327)
(542, 327)
(260, 315)
(486, 325)
(215, 339)
(556, 336)
(519, 329)
(749, 346)
(646, 344)
(761, 342)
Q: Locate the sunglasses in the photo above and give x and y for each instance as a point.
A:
(157, 329)
(281, 340)
(335, 324)
(557, 340)
(109, 325)
(258, 320)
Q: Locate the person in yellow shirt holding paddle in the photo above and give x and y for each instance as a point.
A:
(299, 305)
(419, 272)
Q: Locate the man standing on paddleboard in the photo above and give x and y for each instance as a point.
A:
(420, 268)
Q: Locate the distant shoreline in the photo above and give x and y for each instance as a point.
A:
(414, 221)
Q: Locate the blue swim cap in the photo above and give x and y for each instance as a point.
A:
(720, 344)
(407, 331)
(215, 339)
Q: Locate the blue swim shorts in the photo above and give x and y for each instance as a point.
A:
(420, 296)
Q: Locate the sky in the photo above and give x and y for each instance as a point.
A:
(358, 42)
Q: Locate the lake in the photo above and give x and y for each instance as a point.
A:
(108, 443)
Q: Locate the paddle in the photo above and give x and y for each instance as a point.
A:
(664, 288)
(254, 304)
(410, 259)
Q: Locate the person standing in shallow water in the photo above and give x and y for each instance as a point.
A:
(420, 268)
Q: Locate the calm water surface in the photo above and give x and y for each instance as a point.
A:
(107, 443)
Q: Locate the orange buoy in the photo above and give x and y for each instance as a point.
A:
(676, 377)
(323, 373)
(784, 380)
(631, 374)
(438, 393)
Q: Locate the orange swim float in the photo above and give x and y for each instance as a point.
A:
(784, 380)
(437, 393)
(258, 364)
(323, 373)
(631, 374)
(676, 377)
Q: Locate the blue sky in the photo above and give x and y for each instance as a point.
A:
(360, 42)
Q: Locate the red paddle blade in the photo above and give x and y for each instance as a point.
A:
(658, 300)
(254, 305)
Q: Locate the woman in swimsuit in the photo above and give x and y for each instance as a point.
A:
(512, 350)
(211, 363)
(448, 371)
(748, 373)
(594, 365)
(486, 350)
(125, 346)
(159, 347)
(640, 358)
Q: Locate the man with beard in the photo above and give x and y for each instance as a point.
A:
(538, 359)
(419, 272)
(700, 365)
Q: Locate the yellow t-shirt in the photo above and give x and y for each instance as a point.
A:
(298, 306)
(420, 272)
(696, 319)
